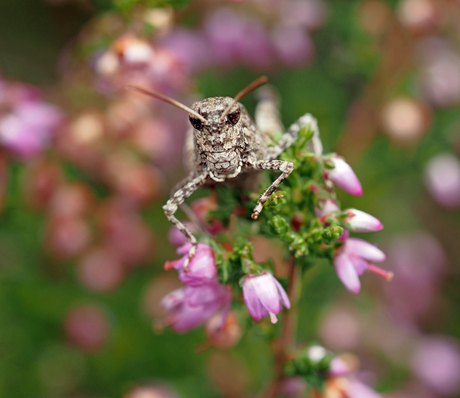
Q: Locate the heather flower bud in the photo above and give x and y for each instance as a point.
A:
(344, 177)
(359, 221)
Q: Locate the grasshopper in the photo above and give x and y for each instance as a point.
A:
(226, 143)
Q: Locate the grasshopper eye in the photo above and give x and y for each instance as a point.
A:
(196, 123)
(234, 117)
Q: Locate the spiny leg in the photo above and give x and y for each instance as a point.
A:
(191, 184)
(279, 165)
(186, 208)
(291, 135)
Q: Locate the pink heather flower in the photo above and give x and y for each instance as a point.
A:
(344, 177)
(201, 269)
(359, 221)
(264, 296)
(356, 257)
(28, 129)
(190, 307)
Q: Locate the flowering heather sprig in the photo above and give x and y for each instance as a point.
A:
(307, 218)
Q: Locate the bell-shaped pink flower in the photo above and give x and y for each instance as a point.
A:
(344, 177)
(201, 268)
(359, 221)
(355, 258)
(264, 296)
(190, 307)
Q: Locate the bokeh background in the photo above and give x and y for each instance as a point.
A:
(85, 167)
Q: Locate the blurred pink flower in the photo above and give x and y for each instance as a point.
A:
(87, 327)
(309, 14)
(354, 258)
(190, 47)
(29, 127)
(440, 71)
(189, 307)
(357, 389)
(342, 381)
(100, 270)
(293, 387)
(343, 176)
(293, 45)
(418, 261)
(436, 361)
(264, 296)
(235, 38)
(442, 179)
(338, 367)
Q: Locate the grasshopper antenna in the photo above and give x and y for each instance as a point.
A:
(168, 100)
(255, 84)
